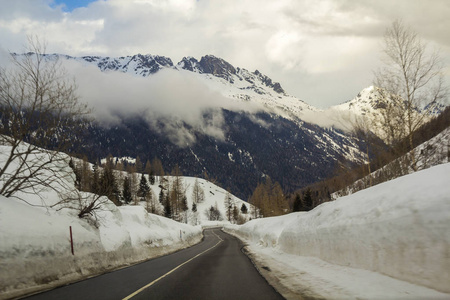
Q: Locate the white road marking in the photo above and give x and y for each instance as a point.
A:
(173, 270)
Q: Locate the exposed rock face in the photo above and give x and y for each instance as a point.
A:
(218, 67)
(189, 64)
(276, 86)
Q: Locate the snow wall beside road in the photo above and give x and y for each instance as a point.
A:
(399, 228)
(35, 251)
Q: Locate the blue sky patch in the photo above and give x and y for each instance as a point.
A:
(70, 5)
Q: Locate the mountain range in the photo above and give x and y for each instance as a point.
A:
(284, 138)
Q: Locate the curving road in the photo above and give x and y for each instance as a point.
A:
(216, 268)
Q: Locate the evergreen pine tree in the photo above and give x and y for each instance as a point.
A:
(307, 200)
(167, 208)
(151, 177)
(297, 203)
(194, 207)
(108, 185)
(244, 209)
(143, 188)
(126, 192)
(161, 196)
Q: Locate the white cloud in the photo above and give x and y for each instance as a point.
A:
(168, 100)
(303, 44)
(284, 47)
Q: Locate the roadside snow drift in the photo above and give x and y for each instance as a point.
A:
(400, 228)
(35, 249)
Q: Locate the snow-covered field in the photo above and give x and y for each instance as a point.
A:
(390, 241)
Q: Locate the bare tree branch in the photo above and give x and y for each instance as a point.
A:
(412, 79)
(39, 110)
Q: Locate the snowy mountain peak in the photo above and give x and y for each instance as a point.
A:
(145, 65)
(190, 64)
(209, 64)
(367, 101)
(139, 64)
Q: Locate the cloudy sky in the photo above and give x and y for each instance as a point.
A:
(323, 52)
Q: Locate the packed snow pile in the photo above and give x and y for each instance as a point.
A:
(35, 247)
(400, 228)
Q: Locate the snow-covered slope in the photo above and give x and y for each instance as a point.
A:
(35, 250)
(430, 153)
(400, 228)
(365, 103)
(215, 197)
(369, 104)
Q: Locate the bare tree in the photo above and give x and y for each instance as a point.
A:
(39, 110)
(87, 205)
(177, 194)
(362, 131)
(229, 204)
(412, 77)
(198, 194)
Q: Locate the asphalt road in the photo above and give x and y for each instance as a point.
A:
(216, 268)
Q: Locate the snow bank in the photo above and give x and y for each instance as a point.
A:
(35, 250)
(400, 228)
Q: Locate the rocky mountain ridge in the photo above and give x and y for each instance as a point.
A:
(275, 141)
(145, 65)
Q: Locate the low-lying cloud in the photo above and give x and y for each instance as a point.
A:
(175, 103)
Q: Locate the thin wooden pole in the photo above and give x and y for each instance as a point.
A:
(71, 240)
